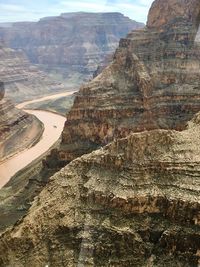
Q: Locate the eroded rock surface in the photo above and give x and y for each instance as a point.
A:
(136, 201)
(162, 13)
(133, 203)
(2, 90)
(153, 82)
(72, 44)
(21, 79)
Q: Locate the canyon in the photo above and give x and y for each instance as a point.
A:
(21, 79)
(69, 46)
(52, 123)
(134, 202)
(18, 130)
(152, 83)
(128, 192)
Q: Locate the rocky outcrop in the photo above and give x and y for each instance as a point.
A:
(23, 80)
(72, 44)
(134, 202)
(162, 13)
(152, 83)
(2, 90)
(105, 63)
(18, 130)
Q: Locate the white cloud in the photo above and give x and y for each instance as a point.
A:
(137, 10)
(83, 5)
(146, 3)
(34, 10)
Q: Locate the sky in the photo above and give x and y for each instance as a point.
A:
(32, 10)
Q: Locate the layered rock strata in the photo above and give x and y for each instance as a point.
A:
(2, 90)
(153, 82)
(134, 202)
(72, 44)
(162, 13)
(21, 79)
(18, 130)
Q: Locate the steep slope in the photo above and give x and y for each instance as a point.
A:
(23, 80)
(2, 90)
(72, 44)
(18, 130)
(136, 201)
(162, 13)
(133, 203)
(153, 82)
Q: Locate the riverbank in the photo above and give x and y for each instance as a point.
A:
(19, 130)
(45, 98)
(53, 126)
(24, 139)
(61, 105)
(21, 188)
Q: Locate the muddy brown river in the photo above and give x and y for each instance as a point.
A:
(53, 126)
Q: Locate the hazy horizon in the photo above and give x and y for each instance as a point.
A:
(22, 10)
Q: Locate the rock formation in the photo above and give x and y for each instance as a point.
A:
(162, 13)
(153, 82)
(133, 203)
(23, 80)
(18, 130)
(72, 44)
(2, 90)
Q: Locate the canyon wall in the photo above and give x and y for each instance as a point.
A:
(72, 44)
(152, 83)
(2, 90)
(162, 13)
(134, 202)
(21, 79)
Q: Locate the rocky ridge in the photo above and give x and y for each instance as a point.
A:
(152, 83)
(72, 44)
(21, 79)
(134, 202)
(162, 13)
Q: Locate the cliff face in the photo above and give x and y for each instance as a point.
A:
(133, 203)
(23, 80)
(136, 201)
(72, 44)
(18, 129)
(2, 90)
(153, 82)
(163, 13)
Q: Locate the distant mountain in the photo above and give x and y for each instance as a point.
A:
(6, 24)
(72, 44)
